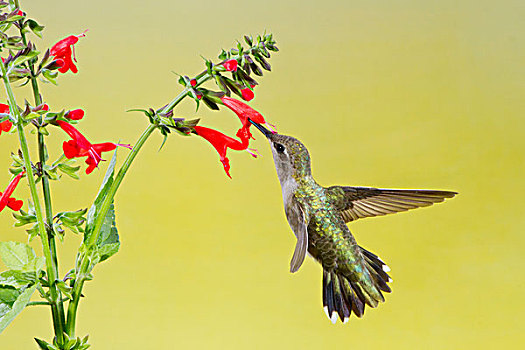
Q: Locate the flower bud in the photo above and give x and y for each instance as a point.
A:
(230, 65)
(75, 114)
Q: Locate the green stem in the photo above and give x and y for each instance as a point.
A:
(53, 290)
(45, 179)
(35, 303)
(47, 199)
(92, 239)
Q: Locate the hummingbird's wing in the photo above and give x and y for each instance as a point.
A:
(362, 202)
(298, 222)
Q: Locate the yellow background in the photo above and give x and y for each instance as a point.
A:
(404, 94)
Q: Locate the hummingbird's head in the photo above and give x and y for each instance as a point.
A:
(291, 157)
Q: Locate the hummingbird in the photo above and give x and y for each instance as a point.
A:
(352, 276)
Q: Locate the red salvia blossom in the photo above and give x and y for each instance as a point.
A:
(6, 124)
(79, 146)
(64, 50)
(222, 142)
(6, 199)
(75, 114)
(230, 65)
(245, 112)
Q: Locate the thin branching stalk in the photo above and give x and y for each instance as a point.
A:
(45, 180)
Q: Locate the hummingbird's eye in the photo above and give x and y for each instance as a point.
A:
(278, 147)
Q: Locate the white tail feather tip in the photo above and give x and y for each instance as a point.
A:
(334, 317)
(386, 268)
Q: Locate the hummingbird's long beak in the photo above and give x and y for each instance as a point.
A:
(261, 128)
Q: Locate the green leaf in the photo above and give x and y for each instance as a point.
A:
(223, 55)
(24, 218)
(8, 295)
(50, 76)
(163, 142)
(44, 345)
(8, 312)
(35, 27)
(16, 278)
(65, 289)
(106, 184)
(23, 58)
(13, 18)
(108, 242)
(20, 256)
(69, 170)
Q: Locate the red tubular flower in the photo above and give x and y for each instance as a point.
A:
(193, 82)
(6, 124)
(75, 114)
(79, 146)
(221, 143)
(65, 50)
(230, 65)
(245, 112)
(6, 199)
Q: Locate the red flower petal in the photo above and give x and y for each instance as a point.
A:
(104, 147)
(14, 204)
(221, 143)
(193, 82)
(4, 108)
(64, 50)
(81, 141)
(81, 147)
(5, 126)
(63, 46)
(75, 114)
(92, 164)
(243, 111)
(245, 135)
(5, 198)
(68, 64)
(71, 149)
(230, 65)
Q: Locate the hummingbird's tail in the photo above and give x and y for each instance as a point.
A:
(342, 293)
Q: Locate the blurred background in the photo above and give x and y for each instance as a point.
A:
(405, 94)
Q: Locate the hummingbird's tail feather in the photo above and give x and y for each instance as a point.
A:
(379, 268)
(342, 295)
